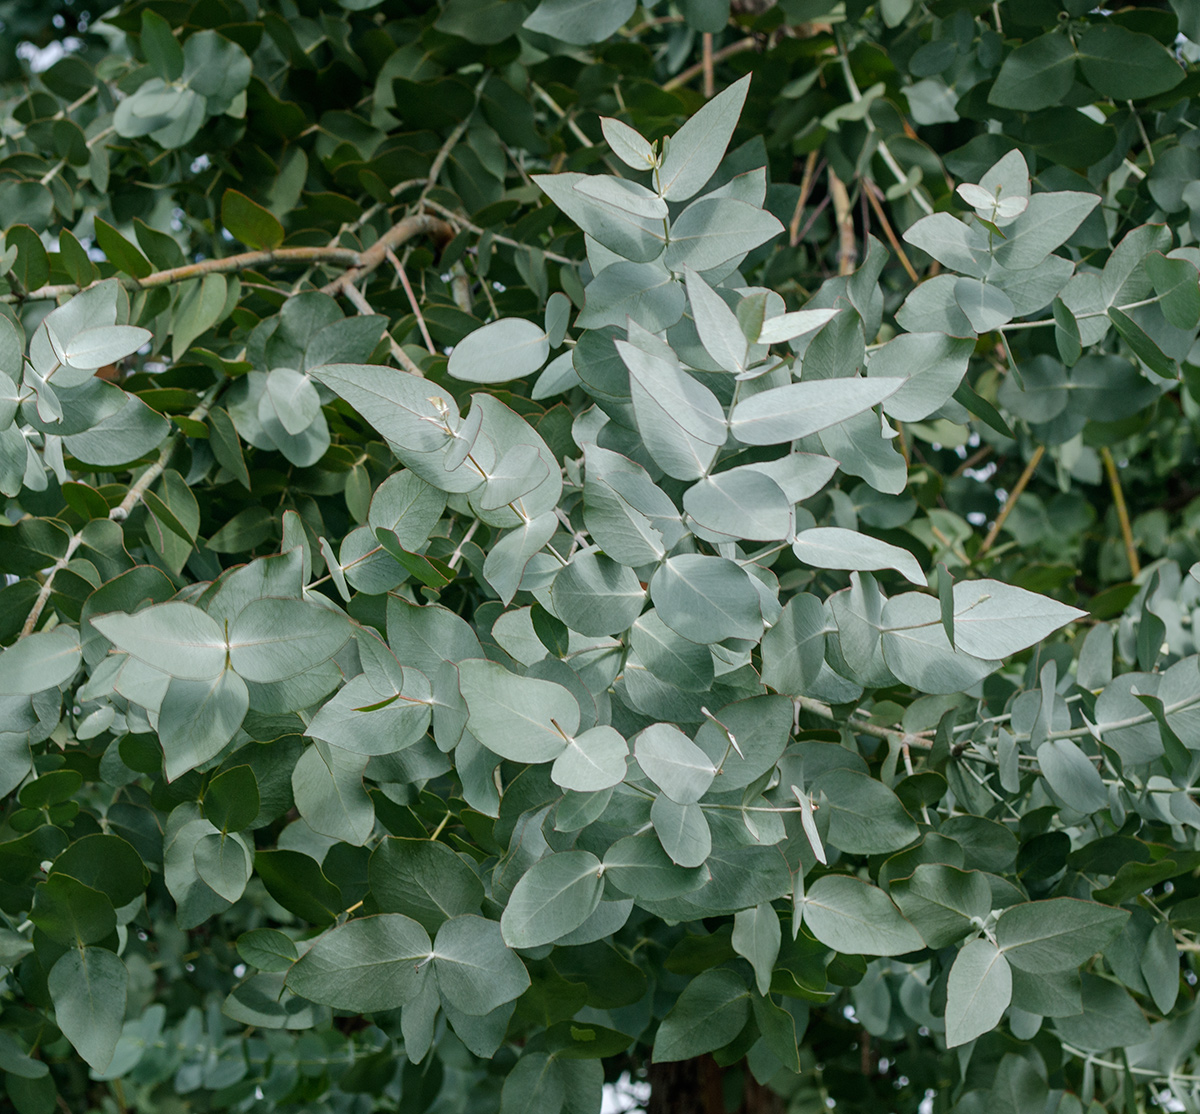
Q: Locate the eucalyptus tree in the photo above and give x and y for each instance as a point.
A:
(557, 544)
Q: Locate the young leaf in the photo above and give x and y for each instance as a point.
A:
(695, 151)
(978, 992)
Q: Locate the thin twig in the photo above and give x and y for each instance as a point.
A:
(1114, 482)
(43, 595)
(561, 113)
(706, 62)
(463, 222)
(684, 76)
(884, 152)
(412, 300)
(360, 303)
(844, 218)
(1011, 501)
(870, 189)
(862, 727)
(810, 171)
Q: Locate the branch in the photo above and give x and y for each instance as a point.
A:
(1114, 482)
(400, 232)
(844, 218)
(121, 512)
(1011, 501)
(862, 727)
(39, 604)
(684, 76)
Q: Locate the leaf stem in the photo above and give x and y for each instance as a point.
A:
(43, 596)
(1114, 482)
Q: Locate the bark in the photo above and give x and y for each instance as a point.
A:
(696, 1087)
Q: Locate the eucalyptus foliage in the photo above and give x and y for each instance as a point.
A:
(499, 588)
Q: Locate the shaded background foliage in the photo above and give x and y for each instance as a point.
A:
(171, 138)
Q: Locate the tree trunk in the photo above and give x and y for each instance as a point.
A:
(696, 1087)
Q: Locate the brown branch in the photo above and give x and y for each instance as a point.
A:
(1114, 482)
(684, 76)
(844, 217)
(810, 167)
(1011, 501)
(871, 189)
(243, 261)
(399, 233)
(394, 260)
(706, 63)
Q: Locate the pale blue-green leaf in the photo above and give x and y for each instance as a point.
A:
(554, 897)
(367, 964)
(1049, 221)
(674, 763)
(274, 639)
(92, 348)
(594, 595)
(41, 661)
(719, 330)
(593, 760)
(627, 144)
(638, 866)
(756, 937)
(223, 863)
(635, 238)
(476, 970)
(788, 326)
(685, 664)
(646, 292)
(978, 993)
(560, 375)
(1007, 178)
(623, 194)
(941, 901)
(743, 503)
(198, 718)
(518, 472)
(987, 307)
(832, 547)
(176, 638)
(865, 816)
(709, 1014)
(857, 918)
(917, 651)
(951, 243)
(793, 411)
(706, 599)
(932, 366)
(510, 348)
(88, 987)
(579, 21)
(681, 422)
(355, 720)
(327, 784)
(995, 620)
(291, 398)
(682, 830)
(506, 562)
(793, 650)
(713, 230)
(398, 406)
(1072, 777)
(694, 152)
(1042, 937)
(516, 717)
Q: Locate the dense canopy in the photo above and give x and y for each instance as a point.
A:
(565, 547)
